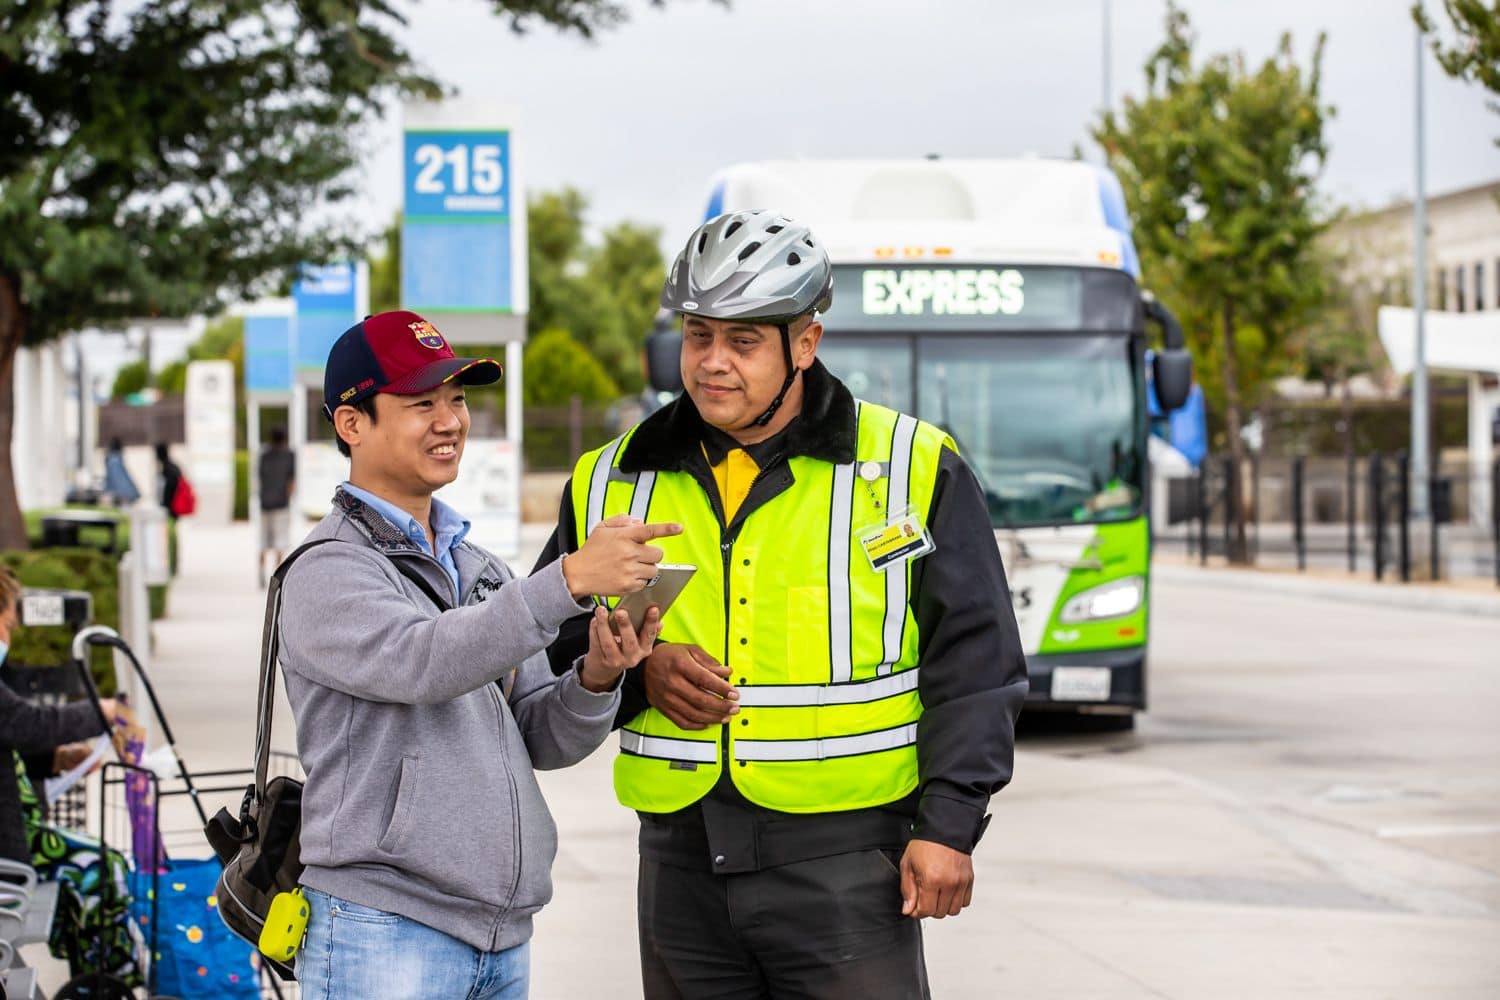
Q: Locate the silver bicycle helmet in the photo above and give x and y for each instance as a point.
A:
(752, 265)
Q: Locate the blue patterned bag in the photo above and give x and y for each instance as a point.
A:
(197, 956)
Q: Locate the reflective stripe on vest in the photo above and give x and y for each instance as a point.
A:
(803, 695)
(824, 749)
(822, 648)
(665, 748)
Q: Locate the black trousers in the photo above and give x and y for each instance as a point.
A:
(824, 929)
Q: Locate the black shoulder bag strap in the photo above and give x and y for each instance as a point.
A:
(270, 647)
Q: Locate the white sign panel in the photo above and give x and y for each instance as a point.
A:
(209, 412)
(488, 493)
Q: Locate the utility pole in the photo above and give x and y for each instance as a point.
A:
(1420, 463)
(1105, 54)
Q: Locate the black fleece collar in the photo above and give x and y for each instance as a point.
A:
(670, 438)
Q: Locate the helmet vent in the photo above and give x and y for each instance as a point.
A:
(793, 260)
(732, 227)
(702, 242)
(773, 230)
(749, 249)
(808, 240)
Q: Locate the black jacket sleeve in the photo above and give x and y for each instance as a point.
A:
(573, 638)
(27, 726)
(973, 679)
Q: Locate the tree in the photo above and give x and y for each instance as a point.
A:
(131, 378)
(558, 368)
(606, 295)
(165, 158)
(1474, 53)
(385, 270)
(1218, 163)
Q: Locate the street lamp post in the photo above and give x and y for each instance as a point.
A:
(1420, 468)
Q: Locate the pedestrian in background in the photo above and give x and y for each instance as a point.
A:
(169, 476)
(118, 485)
(813, 743)
(277, 475)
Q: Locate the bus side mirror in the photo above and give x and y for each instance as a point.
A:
(1172, 377)
(663, 361)
(1172, 371)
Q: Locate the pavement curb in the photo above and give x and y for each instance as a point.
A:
(1407, 597)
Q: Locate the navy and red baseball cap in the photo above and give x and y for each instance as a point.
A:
(399, 353)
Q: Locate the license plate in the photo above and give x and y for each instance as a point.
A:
(1080, 683)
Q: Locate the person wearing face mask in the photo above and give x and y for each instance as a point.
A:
(29, 728)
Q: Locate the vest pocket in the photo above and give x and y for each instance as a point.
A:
(806, 624)
(406, 792)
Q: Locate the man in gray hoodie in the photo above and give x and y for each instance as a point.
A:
(416, 669)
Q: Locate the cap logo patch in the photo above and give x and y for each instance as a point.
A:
(427, 335)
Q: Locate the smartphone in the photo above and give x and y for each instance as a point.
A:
(661, 591)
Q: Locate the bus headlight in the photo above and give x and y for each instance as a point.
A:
(1110, 600)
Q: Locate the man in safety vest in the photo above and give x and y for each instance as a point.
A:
(832, 701)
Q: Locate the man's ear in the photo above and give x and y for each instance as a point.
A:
(347, 424)
(805, 345)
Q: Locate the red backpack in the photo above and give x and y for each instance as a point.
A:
(184, 500)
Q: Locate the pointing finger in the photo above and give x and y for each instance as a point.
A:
(646, 532)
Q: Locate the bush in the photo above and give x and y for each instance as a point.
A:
(66, 569)
(95, 539)
(559, 367)
(242, 485)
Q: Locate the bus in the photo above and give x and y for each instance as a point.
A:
(1001, 301)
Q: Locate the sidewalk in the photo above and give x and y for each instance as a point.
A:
(1098, 878)
(1467, 597)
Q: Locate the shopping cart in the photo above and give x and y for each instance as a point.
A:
(151, 814)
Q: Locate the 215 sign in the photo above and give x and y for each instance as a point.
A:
(456, 173)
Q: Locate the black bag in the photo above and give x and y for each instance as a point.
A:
(259, 848)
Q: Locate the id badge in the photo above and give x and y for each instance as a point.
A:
(896, 541)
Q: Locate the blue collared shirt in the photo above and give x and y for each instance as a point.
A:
(448, 528)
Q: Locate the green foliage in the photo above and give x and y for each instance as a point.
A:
(1219, 163)
(98, 538)
(605, 295)
(1339, 340)
(163, 158)
(242, 485)
(172, 380)
(558, 368)
(66, 569)
(385, 270)
(129, 379)
(1473, 51)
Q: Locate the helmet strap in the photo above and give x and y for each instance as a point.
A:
(791, 376)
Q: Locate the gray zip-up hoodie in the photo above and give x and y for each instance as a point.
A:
(420, 797)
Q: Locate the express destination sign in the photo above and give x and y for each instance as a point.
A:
(960, 297)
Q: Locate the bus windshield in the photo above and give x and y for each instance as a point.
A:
(1052, 425)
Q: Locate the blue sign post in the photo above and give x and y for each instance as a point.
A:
(456, 237)
(463, 266)
(327, 304)
(268, 354)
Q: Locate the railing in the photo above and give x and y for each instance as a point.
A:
(1325, 513)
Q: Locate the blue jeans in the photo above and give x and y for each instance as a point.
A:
(354, 952)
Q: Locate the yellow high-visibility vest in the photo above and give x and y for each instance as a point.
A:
(822, 647)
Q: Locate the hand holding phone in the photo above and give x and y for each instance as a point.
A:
(663, 589)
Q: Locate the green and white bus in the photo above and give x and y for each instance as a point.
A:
(1000, 300)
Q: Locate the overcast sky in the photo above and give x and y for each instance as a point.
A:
(640, 118)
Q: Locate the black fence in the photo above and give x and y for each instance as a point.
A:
(1354, 514)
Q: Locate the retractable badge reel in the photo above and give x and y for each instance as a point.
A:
(897, 539)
